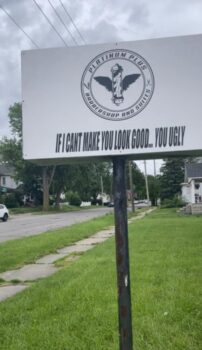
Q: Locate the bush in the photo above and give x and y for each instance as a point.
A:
(96, 201)
(2, 198)
(73, 198)
(173, 203)
(11, 201)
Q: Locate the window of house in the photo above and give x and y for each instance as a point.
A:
(196, 198)
(197, 186)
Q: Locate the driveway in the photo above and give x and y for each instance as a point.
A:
(24, 225)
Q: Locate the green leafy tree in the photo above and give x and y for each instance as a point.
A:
(27, 173)
(154, 188)
(138, 181)
(15, 120)
(85, 179)
(62, 181)
(172, 176)
(88, 177)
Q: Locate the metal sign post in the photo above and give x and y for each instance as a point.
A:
(122, 254)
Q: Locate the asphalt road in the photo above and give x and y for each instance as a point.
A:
(24, 225)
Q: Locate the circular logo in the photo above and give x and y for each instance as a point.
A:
(117, 84)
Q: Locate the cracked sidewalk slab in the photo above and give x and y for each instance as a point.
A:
(104, 233)
(29, 272)
(75, 249)
(92, 241)
(50, 258)
(9, 291)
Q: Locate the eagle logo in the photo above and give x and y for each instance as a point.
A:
(117, 84)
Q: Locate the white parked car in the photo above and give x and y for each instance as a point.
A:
(142, 203)
(4, 213)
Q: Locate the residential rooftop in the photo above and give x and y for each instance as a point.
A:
(6, 170)
(193, 170)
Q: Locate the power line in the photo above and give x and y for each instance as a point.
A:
(61, 20)
(51, 24)
(71, 19)
(14, 21)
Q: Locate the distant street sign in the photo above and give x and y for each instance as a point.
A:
(138, 99)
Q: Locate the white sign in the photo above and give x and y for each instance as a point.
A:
(139, 99)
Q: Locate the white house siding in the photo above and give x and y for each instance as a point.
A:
(186, 193)
(192, 187)
(192, 191)
(8, 182)
(191, 194)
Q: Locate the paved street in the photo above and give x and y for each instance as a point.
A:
(24, 225)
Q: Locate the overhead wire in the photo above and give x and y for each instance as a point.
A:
(71, 19)
(19, 26)
(61, 20)
(51, 24)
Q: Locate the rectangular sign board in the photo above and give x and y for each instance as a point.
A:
(138, 99)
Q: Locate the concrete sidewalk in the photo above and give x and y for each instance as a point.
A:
(45, 267)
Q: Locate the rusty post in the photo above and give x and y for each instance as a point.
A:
(122, 254)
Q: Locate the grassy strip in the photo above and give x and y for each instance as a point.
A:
(77, 307)
(39, 210)
(16, 253)
(63, 209)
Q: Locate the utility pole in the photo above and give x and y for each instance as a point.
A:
(146, 182)
(154, 168)
(130, 164)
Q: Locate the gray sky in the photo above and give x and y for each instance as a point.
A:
(99, 21)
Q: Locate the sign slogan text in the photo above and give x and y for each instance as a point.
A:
(130, 139)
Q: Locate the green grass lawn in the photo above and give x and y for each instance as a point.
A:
(76, 309)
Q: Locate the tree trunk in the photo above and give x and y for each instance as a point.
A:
(47, 179)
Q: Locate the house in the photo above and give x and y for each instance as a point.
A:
(7, 182)
(192, 188)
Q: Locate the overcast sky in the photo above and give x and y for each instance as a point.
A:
(99, 21)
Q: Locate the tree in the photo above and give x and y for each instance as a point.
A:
(29, 174)
(138, 180)
(15, 120)
(62, 181)
(171, 178)
(154, 188)
(36, 180)
(87, 179)
(48, 174)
